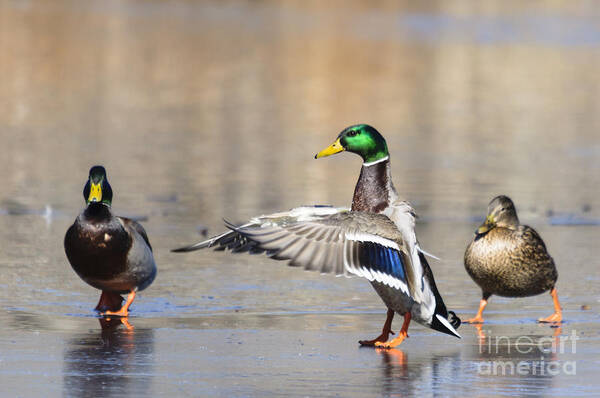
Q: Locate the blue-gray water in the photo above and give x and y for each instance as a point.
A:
(205, 110)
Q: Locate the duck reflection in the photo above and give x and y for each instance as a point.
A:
(543, 346)
(556, 328)
(532, 360)
(116, 362)
(394, 362)
(403, 377)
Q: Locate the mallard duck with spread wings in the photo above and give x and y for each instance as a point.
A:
(375, 240)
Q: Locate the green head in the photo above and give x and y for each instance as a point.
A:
(97, 189)
(361, 139)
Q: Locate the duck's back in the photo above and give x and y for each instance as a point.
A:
(510, 262)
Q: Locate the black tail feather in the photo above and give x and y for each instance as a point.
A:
(453, 319)
(448, 317)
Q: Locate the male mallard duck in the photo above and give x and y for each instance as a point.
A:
(509, 259)
(110, 253)
(375, 240)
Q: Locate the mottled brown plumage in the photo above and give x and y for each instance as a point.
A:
(510, 262)
(508, 259)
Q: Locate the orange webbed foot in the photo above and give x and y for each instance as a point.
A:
(554, 318)
(557, 316)
(403, 334)
(121, 313)
(382, 338)
(393, 343)
(385, 333)
(124, 311)
(479, 318)
(475, 320)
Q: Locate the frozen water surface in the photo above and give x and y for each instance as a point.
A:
(204, 110)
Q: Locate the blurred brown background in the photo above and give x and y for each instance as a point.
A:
(224, 103)
(207, 109)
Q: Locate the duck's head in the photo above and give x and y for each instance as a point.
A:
(361, 139)
(97, 189)
(502, 213)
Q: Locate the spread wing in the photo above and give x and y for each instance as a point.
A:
(340, 242)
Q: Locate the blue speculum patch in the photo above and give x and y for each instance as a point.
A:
(383, 259)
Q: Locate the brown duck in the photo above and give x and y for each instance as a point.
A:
(508, 259)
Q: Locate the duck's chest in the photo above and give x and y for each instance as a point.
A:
(490, 254)
(102, 238)
(98, 249)
(374, 189)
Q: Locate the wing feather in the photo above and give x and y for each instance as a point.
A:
(367, 245)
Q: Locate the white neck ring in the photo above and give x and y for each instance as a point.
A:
(365, 164)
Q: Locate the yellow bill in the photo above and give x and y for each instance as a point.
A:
(95, 193)
(487, 225)
(331, 149)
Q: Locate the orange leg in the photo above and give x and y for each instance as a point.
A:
(401, 336)
(109, 301)
(385, 333)
(478, 318)
(557, 316)
(124, 309)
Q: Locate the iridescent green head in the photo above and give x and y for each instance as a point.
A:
(361, 139)
(97, 189)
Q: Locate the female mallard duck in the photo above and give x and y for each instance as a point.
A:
(509, 259)
(375, 240)
(110, 253)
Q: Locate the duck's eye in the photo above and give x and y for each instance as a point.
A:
(352, 133)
